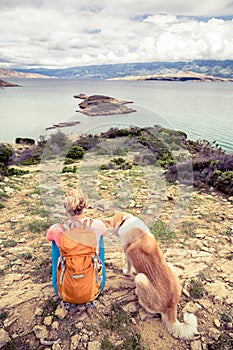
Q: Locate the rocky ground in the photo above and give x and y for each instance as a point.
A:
(200, 248)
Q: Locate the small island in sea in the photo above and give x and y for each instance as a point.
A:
(96, 105)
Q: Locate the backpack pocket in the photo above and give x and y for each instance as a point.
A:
(75, 285)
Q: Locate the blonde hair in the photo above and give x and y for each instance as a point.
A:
(75, 202)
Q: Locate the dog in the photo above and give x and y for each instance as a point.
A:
(157, 287)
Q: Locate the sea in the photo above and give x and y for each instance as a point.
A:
(203, 110)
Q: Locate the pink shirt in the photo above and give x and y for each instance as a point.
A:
(54, 232)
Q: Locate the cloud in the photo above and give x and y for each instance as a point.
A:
(51, 34)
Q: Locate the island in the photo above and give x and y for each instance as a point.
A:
(62, 125)
(96, 105)
(177, 76)
(4, 83)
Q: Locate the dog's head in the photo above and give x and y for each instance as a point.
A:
(117, 220)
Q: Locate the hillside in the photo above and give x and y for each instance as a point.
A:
(200, 248)
(30, 312)
(6, 74)
(216, 68)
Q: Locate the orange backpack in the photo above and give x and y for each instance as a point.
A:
(79, 269)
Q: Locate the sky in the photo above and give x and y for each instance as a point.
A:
(61, 34)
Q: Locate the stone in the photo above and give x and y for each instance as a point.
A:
(214, 333)
(48, 320)
(41, 332)
(218, 288)
(94, 345)
(39, 311)
(55, 325)
(56, 346)
(131, 307)
(191, 307)
(4, 337)
(74, 342)
(217, 323)
(60, 313)
(196, 345)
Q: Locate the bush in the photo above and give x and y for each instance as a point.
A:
(69, 161)
(214, 169)
(17, 172)
(29, 156)
(222, 181)
(68, 169)
(88, 142)
(75, 152)
(6, 153)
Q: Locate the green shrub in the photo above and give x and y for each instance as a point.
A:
(6, 153)
(196, 289)
(104, 167)
(222, 181)
(18, 172)
(68, 169)
(75, 152)
(69, 161)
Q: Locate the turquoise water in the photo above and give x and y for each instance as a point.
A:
(202, 110)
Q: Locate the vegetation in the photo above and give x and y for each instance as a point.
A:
(160, 231)
(196, 289)
(75, 152)
(118, 322)
(211, 166)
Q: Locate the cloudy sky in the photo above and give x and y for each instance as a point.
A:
(59, 34)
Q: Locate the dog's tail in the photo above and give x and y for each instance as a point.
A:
(185, 330)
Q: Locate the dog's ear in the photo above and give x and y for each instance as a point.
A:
(126, 216)
(108, 221)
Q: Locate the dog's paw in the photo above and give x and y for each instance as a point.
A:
(126, 272)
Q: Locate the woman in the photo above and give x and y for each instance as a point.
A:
(74, 204)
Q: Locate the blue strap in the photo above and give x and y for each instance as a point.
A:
(102, 258)
(55, 256)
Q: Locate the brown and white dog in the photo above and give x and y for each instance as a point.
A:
(157, 286)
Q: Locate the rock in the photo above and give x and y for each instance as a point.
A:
(60, 313)
(196, 345)
(74, 342)
(94, 345)
(218, 288)
(130, 307)
(4, 337)
(214, 333)
(56, 346)
(41, 332)
(217, 323)
(48, 320)
(55, 325)
(191, 307)
(39, 311)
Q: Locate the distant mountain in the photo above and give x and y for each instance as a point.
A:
(7, 73)
(223, 69)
